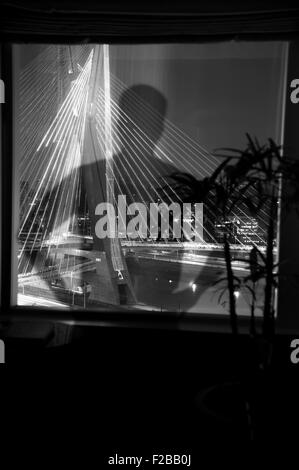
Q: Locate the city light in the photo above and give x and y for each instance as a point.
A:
(237, 294)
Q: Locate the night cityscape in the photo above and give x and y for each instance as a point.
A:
(59, 253)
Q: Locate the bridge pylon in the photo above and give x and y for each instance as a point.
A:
(112, 282)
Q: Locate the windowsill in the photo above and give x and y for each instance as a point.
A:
(130, 319)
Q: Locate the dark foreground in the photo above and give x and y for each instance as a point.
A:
(141, 391)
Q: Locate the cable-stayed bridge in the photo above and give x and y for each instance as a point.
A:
(84, 139)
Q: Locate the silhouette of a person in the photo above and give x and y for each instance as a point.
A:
(139, 172)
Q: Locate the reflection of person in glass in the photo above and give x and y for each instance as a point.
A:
(143, 176)
(140, 174)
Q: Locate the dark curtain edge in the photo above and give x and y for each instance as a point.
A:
(55, 26)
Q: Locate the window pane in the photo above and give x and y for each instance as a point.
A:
(102, 132)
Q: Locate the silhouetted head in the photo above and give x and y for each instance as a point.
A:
(141, 118)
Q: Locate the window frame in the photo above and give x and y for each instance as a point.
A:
(102, 317)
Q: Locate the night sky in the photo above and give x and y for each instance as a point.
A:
(215, 92)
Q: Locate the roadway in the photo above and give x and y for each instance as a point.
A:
(165, 276)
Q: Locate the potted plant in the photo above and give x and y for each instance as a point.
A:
(249, 180)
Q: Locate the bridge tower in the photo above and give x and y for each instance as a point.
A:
(112, 283)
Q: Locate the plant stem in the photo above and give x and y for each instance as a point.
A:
(231, 287)
(268, 307)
